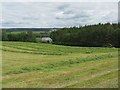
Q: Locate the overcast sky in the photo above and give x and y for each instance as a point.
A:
(57, 14)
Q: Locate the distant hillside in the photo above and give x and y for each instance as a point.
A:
(27, 29)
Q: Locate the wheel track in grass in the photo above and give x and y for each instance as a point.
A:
(88, 83)
(57, 80)
(69, 78)
(111, 83)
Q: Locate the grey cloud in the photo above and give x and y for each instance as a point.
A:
(63, 6)
(70, 12)
(74, 15)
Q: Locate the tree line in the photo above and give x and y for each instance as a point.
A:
(99, 35)
(90, 35)
(23, 36)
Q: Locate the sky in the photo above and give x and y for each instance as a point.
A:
(59, 0)
(57, 14)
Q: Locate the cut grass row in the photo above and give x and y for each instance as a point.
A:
(64, 77)
(60, 64)
(76, 67)
(51, 49)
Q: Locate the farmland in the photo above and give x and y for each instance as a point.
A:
(40, 65)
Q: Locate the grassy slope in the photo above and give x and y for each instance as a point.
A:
(46, 65)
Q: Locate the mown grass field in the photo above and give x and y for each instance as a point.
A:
(38, 65)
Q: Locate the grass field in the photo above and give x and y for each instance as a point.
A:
(36, 32)
(38, 65)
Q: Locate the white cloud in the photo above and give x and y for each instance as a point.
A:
(54, 14)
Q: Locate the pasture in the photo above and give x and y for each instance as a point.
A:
(40, 65)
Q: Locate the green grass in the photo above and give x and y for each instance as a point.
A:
(38, 65)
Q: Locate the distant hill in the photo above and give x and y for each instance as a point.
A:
(27, 29)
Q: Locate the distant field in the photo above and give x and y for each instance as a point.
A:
(36, 32)
(38, 65)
